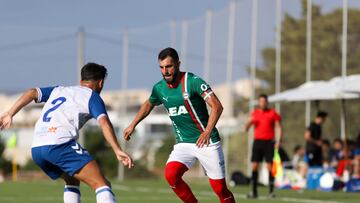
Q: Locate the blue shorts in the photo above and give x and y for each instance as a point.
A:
(55, 160)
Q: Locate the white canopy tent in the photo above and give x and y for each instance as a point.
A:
(288, 95)
(352, 84)
(334, 89)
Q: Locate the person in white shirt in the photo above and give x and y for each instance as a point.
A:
(55, 149)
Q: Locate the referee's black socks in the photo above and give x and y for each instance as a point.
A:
(271, 183)
(254, 179)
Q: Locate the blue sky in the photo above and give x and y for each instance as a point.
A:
(38, 37)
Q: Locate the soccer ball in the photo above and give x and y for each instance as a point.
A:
(326, 182)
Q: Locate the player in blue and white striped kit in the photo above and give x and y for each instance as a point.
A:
(55, 148)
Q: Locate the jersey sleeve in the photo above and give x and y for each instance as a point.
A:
(44, 93)
(253, 118)
(96, 106)
(201, 87)
(276, 116)
(154, 97)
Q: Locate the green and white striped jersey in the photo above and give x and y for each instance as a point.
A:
(185, 104)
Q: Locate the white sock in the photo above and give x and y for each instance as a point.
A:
(71, 194)
(104, 194)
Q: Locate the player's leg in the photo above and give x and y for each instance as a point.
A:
(256, 158)
(173, 174)
(269, 155)
(91, 175)
(254, 179)
(45, 161)
(72, 189)
(180, 160)
(221, 190)
(212, 160)
(77, 162)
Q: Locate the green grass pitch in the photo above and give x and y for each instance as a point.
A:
(151, 191)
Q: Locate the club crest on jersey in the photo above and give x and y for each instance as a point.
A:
(177, 111)
(186, 95)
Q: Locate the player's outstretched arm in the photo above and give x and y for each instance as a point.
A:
(144, 111)
(25, 99)
(215, 113)
(109, 134)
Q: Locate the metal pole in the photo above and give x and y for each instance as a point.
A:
(124, 81)
(252, 73)
(173, 33)
(230, 56)
(344, 39)
(253, 51)
(278, 52)
(81, 51)
(184, 36)
(308, 56)
(344, 64)
(343, 120)
(231, 43)
(125, 63)
(81, 63)
(207, 46)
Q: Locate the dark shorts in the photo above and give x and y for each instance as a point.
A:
(55, 160)
(263, 149)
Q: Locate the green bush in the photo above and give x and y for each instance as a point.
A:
(163, 153)
(97, 146)
(5, 165)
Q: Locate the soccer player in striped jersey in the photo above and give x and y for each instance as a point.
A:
(185, 95)
(54, 147)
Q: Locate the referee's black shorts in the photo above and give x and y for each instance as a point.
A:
(263, 149)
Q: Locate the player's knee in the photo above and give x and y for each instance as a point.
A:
(173, 172)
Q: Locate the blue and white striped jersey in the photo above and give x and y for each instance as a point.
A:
(66, 110)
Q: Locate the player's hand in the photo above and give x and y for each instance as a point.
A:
(277, 145)
(5, 121)
(127, 132)
(125, 159)
(204, 140)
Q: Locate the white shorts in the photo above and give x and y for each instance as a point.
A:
(211, 158)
